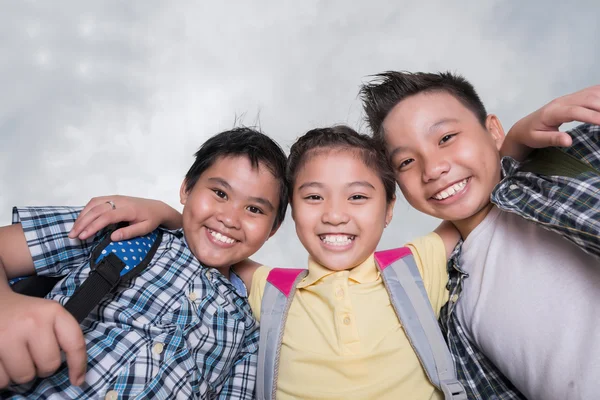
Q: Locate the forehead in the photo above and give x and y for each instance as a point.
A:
(243, 177)
(338, 165)
(421, 112)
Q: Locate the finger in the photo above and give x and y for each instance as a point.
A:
(105, 219)
(18, 363)
(4, 379)
(93, 208)
(581, 114)
(543, 139)
(45, 352)
(132, 231)
(563, 139)
(71, 341)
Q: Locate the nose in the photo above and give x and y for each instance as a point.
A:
(229, 215)
(335, 214)
(434, 168)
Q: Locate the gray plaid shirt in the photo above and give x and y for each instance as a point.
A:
(567, 206)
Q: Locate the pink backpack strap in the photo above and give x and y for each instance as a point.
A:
(283, 279)
(385, 258)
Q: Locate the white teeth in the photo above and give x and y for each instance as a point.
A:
(221, 238)
(451, 191)
(337, 240)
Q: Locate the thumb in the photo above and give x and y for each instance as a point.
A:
(132, 231)
(544, 139)
(563, 139)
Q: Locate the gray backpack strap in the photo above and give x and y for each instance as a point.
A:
(276, 301)
(411, 303)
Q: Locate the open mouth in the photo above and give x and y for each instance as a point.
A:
(337, 240)
(451, 190)
(219, 237)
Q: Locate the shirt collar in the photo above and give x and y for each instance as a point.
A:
(362, 273)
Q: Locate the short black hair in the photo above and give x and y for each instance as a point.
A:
(340, 137)
(257, 147)
(389, 88)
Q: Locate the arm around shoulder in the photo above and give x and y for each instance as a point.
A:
(15, 258)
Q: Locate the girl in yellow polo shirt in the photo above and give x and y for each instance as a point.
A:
(342, 338)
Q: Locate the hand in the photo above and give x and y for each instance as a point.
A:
(33, 332)
(144, 215)
(540, 129)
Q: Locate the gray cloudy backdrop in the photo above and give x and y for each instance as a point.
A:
(114, 97)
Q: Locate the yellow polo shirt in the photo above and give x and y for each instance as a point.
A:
(342, 338)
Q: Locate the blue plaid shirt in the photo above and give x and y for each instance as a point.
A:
(567, 206)
(178, 330)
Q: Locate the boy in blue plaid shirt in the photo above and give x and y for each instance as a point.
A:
(183, 327)
(519, 292)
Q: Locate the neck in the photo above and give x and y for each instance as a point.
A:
(466, 226)
(224, 271)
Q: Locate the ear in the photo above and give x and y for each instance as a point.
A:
(274, 231)
(183, 194)
(494, 127)
(389, 213)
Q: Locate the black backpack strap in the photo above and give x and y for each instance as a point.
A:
(35, 285)
(552, 161)
(104, 277)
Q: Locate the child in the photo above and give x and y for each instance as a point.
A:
(342, 337)
(518, 292)
(178, 330)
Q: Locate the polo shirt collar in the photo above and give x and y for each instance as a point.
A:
(362, 273)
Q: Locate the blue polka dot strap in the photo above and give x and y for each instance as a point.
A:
(112, 263)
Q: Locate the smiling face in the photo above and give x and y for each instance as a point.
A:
(446, 163)
(229, 213)
(339, 208)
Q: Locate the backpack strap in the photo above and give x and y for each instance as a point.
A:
(276, 301)
(110, 264)
(411, 303)
(553, 161)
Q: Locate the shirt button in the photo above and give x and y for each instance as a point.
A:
(339, 292)
(158, 348)
(454, 298)
(192, 296)
(208, 274)
(347, 320)
(513, 187)
(111, 395)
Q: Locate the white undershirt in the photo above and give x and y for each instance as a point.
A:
(532, 305)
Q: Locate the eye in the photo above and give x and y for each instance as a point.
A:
(358, 197)
(447, 137)
(220, 193)
(313, 197)
(405, 163)
(254, 210)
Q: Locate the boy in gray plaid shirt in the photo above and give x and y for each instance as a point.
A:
(519, 292)
(182, 328)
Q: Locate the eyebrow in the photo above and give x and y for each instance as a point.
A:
(360, 183)
(260, 200)
(431, 129)
(311, 184)
(320, 185)
(441, 122)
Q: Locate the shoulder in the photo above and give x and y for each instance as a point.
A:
(259, 281)
(429, 253)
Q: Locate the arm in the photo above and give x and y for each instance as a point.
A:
(450, 236)
(540, 128)
(144, 216)
(246, 269)
(33, 330)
